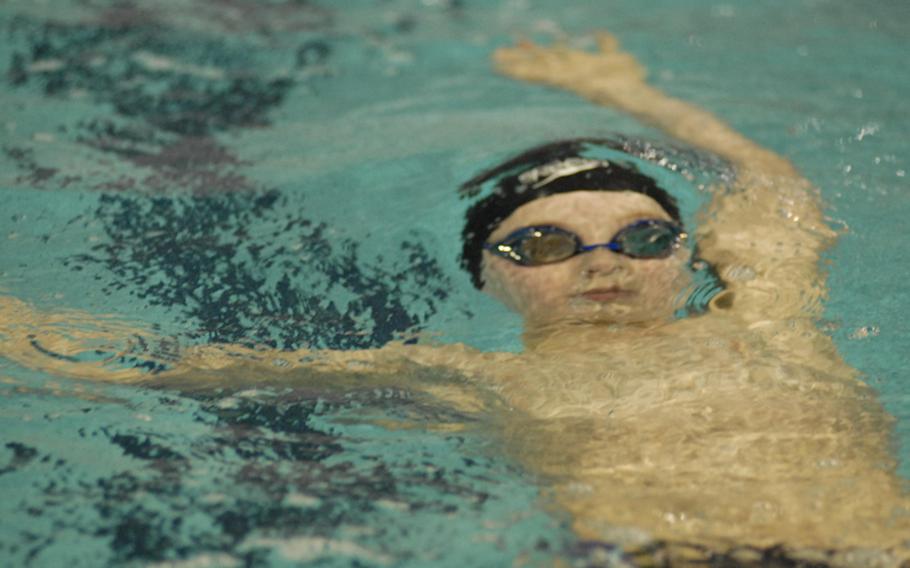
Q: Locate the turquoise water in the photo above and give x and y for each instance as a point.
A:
(283, 174)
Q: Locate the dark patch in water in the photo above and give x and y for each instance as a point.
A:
(169, 91)
(266, 18)
(313, 52)
(188, 109)
(177, 83)
(143, 448)
(22, 456)
(248, 418)
(196, 164)
(24, 158)
(143, 534)
(124, 14)
(249, 268)
(255, 485)
(269, 17)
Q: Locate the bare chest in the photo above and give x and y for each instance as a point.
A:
(684, 369)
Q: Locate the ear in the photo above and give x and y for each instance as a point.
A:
(708, 286)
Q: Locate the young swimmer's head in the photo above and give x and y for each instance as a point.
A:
(528, 242)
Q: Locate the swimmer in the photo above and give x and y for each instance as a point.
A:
(735, 429)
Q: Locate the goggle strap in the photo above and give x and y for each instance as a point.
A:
(612, 245)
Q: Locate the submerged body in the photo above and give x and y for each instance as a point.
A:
(689, 436)
(739, 426)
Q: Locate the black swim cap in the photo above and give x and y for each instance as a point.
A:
(550, 169)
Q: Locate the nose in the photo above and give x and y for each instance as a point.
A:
(602, 261)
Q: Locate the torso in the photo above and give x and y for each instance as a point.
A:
(663, 423)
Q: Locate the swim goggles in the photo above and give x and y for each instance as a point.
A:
(537, 245)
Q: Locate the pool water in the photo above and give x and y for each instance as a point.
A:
(283, 174)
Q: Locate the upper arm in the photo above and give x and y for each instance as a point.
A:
(765, 237)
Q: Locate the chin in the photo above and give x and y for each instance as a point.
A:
(592, 313)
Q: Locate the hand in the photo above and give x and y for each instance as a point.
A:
(608, 71)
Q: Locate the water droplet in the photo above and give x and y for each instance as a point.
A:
(723, 11)
(865, 332)
(867, 130)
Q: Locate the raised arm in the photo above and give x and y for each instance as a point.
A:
(765, 234)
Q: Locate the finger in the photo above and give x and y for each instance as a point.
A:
(508, 61)
(505, 55)
(524, 43)
(561, 45)
(607, 42)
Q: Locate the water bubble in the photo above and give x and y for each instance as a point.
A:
(723, 11)
(867, 130)
(865, 332)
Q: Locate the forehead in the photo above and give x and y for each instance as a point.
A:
(578, 208)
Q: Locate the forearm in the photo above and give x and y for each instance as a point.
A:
(693, 125)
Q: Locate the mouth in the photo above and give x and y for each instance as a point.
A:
(603, 295)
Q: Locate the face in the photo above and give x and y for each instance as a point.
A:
(596, 286)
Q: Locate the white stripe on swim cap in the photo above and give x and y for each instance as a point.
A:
(555, 170)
